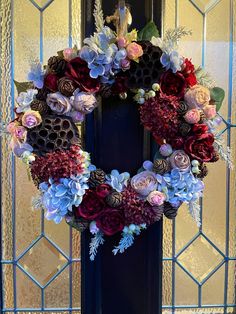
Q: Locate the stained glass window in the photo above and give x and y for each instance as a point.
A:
(199, 265)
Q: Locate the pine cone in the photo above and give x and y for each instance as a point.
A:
(203, 171)
(170, 211)
(42, 93)
(215, 157)
(114, 199)
(97, 177)
(185, 128)
(57, 65)
(183, 108)
(79, 224)
(161, 166)
(105, 91)
(202, 117)
(41, 107)
(66, 86)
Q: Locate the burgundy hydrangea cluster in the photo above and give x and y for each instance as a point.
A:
(58, 164)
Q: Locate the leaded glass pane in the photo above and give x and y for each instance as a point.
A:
(41, 261)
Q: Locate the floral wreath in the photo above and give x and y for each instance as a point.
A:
(178, 104)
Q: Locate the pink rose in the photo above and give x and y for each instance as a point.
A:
(180, 160)
(192, 116)
(210, 111)
(122, 42)
(20, 133)
(125, 64)
(156, 198)
(134, 51)
(197, 96)
(144, 182)
(31, 119)
(69, 54)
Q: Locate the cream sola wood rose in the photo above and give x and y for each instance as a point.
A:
(178, 104)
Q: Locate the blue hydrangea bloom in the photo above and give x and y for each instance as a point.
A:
(58, 198)
(36, 75)
(180, 186)
(103, 55)
(117, 180)
(172, 61)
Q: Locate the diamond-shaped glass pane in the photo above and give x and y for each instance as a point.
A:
(43, 261)
(204, 5)
(200, 258)
(41, 3)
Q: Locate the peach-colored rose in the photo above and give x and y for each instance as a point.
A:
(156, 198)
(197, 97)
(134, 51)
(192, 116)
(210, 111)
(12, 126)
(122, 42)
(31, 119)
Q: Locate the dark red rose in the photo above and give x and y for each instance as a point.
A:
(199, 129)
(91, 206)
(120, 85)
(200, 147)
(77, 70)
(173, 84)
(102, 190)
(111, 221)
(177, 142)
(188, 73)
(50, 82)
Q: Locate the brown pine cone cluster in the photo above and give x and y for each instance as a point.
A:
(114, 199)
(161, 166)
(183, 108)
(66, 86)
(41, 107)
(57, 65)
(203, 171)
(97, 177)
(105, 91)
(170, 211)
(79, 224)
(184, 128)
(42, 93)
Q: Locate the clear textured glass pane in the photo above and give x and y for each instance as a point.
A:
(28, 293)
(76, 285)
(169, 17)
(167, 237)
(59, 234)
(204, 5)
(57, 294)
(41, 3)
(200, 258)
(75, 244)
(213, 289)
(8, 291)
(231, 310)
(232, 282)
(212, 310)
(186, 228)
(56, 28)
(43, 261)
(191, 46)
(185, 288)
(167, 283)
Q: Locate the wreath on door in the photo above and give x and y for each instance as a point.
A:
(178, 104)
